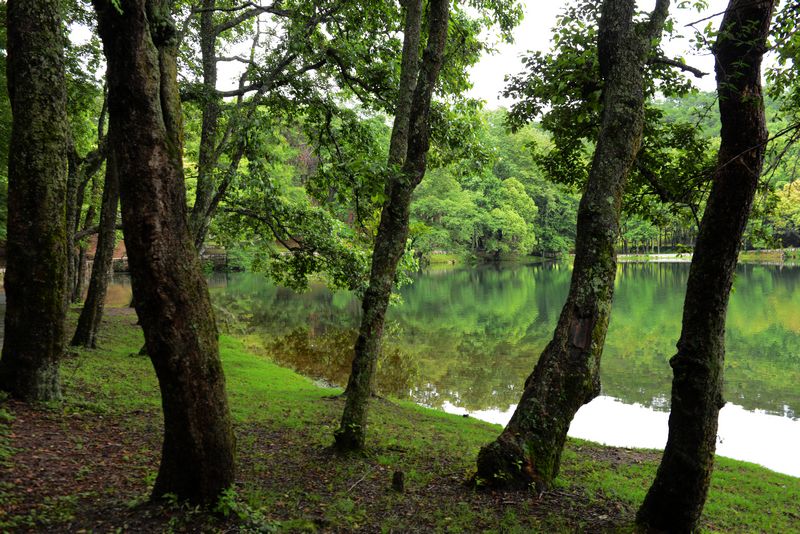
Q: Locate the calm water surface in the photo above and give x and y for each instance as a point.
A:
(464, 340)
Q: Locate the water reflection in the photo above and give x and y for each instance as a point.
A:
(743, 434)
(471, 336)
(465, 339)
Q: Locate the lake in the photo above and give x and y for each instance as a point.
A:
(464, 339)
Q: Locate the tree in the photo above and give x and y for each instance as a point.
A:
(86, 111)
(407, 162)
(676, 498)
(528, 451)
(81, 173)
(92, 312)
(317, 46)
(170, 292)
(36, 273)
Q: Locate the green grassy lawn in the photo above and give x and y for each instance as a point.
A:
(763, 255)
(289, 481)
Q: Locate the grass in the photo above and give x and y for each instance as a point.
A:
(288, 481)
(777, 255)
(445, 259)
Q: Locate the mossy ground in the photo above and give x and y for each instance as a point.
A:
(88, 462)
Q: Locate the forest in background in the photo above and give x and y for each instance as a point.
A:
(490, 193)
(300, 171)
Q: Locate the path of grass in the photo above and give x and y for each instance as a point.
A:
(87, 463)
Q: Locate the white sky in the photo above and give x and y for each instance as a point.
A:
(534, 34)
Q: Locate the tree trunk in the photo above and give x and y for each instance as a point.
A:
(88, 222)
(199, 217)
(528, 451)
(80, 171)
(36, 273)
(409, 147)
(92, 312)
(676, 498)
(72, 218)
(80, 276)
(170, 293)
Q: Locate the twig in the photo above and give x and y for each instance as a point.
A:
(357, 482)
(721, 13)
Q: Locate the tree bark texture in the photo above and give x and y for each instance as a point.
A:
(36, 274)
(409, 70)
(208, 156)
(676, 498)
(92, 312)
(390, 241)
(528, 451)
(170, 293)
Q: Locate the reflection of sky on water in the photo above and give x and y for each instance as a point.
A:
(469, 337)
(757, 437)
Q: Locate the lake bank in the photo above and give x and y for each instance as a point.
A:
(464, 339)
(94, 469)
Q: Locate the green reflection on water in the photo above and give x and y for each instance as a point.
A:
(471, 336)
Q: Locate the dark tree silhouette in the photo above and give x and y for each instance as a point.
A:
(676, 498)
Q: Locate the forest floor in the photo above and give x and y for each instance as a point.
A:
(86, 464)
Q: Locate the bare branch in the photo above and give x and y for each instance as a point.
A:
(785, 131)
(227, 9)
(678, 64)
(253, 11)
(713, 15)
(240, 59)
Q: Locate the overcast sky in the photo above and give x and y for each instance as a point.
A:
(534, 34)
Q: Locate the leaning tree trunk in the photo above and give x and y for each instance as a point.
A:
(92, 312)
(199, 218)
(72, 218)
(528, 451)
(80, 171)
(410, 139)
(88, 222)
(36, 273)
(170, 293)
(676, 498)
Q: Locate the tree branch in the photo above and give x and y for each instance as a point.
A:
(265, 220)
(678, 64)
(240, 59)
(86, 232)
(655, 24)
(254, 11)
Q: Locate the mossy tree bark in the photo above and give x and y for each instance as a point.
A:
(36, 274)
(92, 312)
(407, 164)
(676, 498)
(170, 293)
(528, 451)
(200, 216)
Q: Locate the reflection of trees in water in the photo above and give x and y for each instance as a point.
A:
(477, 379)
(328, 355)
(470, 336)
(763, 337)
